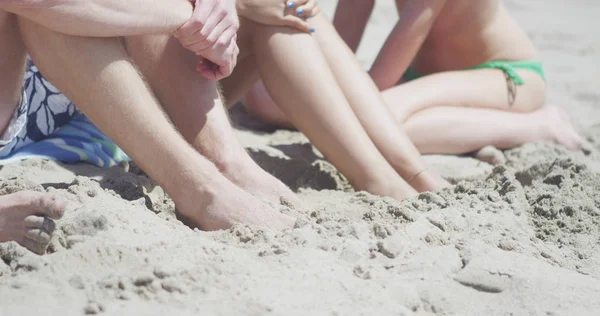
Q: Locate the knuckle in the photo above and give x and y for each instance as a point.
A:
(210, 41)
(204, 33)
(197, 21)
(222, 13)
(221, 43)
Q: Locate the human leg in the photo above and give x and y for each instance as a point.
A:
(259, 104)
(459, 130)
(12, 67)
(297, 77)
(441, 113)
(196, 108)
(25, 217)
(122, 106)
(481, 88)
(371, 110)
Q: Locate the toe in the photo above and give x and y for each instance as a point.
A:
(41, 222)
(51, 205)
(45, 204)
(33, 246)
(38, 235)
(491, 155)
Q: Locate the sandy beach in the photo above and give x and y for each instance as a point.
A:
(521, 238)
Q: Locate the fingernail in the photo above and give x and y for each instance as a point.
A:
(290, 5)
(299, 11)
(309, 16)
(312, 29)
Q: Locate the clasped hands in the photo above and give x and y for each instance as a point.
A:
(211, 32)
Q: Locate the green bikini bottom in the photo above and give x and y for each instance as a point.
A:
(509, 68)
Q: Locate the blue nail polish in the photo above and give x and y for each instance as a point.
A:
(309, 16)
(312, 29)
(299, 11)
(291, 5)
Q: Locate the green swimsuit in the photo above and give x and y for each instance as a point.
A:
(509, 67)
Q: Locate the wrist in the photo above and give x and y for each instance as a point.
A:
(241, 7)
(183, 12)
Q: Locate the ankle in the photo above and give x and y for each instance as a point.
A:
(390, 185)
(428, 181)
(235, 165)
(193, 184)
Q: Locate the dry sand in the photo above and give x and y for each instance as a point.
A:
(518, 239)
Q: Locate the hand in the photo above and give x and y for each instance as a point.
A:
(219, 63)
(304, 8)
(211, 33)
(277, 12)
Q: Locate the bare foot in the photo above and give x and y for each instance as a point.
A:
(558, 127)
(246, 174)
(27, 218)
(429, 181)
(226, 205)
(491, 155)
(258, 102)
(392, 186)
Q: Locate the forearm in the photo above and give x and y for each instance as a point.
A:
(394, 58)
(104, 18)
(350, 20)
(404, 41)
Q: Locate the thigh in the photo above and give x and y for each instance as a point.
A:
(246, 72)
(483, 88)
(12, 66)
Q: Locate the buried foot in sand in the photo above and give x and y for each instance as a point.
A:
(27, 218)
(246, 174)
(225, 206)
(263, 185)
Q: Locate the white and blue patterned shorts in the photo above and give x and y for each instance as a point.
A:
(41, 111)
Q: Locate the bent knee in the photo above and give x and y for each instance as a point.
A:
(532, 95)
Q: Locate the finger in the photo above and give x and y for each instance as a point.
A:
(307, 9)
(227, 37)
(294, 3)
(38, 235)
(234, 58)
(218, 15)
(218, 39)
(198, 47)
(224, 71)
(208, 31)
(197, 21)
(207, 69)
(40, 222)
(297, 23)
(315, 11)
